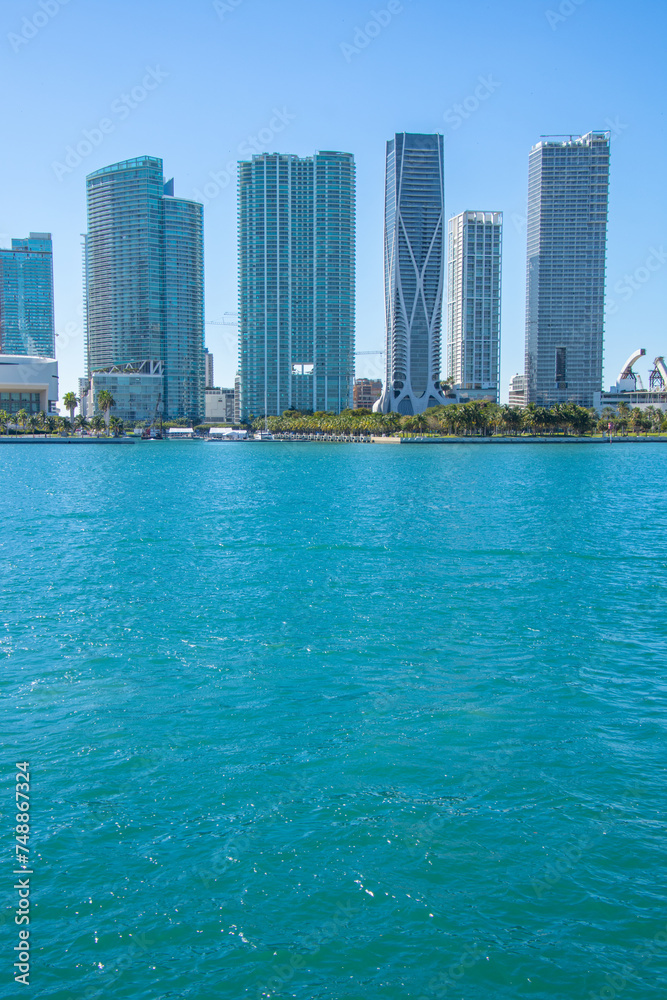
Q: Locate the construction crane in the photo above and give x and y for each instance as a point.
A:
(358, 354)
(155, 430)
(225, 321)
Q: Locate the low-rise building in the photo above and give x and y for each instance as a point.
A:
(28, 383)
(518, 389)
(219, 404)
(227, 434)
(629, 388)
(137, 389)
(365, 392)
(180, 433)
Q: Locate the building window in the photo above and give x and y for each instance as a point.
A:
(561, 367)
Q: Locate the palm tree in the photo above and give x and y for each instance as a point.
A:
(623, 416)
(4, 420)
(80, 422)
(416, 424)
(97, 422)
(512, 419)
(70, 402)
(21, 418)
(640, 421)
(105, 401)
(117, 426)
(32, 423)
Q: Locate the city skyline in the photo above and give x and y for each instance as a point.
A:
(527, 75)
(291, 206)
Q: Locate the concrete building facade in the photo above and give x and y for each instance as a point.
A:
(219, 404)
(517, 396)
(366, 392)
(28, 383)
(473, 301)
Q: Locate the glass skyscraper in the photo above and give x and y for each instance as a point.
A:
(414, 272)
(27, 325)
(296, 283)
(568, 190)
(144, 269)
(473, 308)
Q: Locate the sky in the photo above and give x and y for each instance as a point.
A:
(204, 83)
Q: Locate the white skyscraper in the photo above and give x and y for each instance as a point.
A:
(473, 314)
(414, 273)
(568, 192)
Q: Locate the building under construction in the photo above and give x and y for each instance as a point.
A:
(630, 388)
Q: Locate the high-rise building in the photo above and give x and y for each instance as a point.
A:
(27, 325)
(296, 283)
(208, 369)
(568, 189)
(414, 272)
(237, 398)
(473, 309)
(366, 392)
(144, 272)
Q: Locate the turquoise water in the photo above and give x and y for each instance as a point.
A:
(338, 721)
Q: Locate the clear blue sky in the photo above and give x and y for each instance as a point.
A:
(219, 74)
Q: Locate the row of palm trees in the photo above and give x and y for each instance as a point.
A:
(36, 423)
(105, 403)
(474, 418)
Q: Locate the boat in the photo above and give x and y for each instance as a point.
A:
(264, 436)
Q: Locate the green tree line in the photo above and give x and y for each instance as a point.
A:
(478, 418)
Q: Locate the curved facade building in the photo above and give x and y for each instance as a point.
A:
(414, 273)
(144, 268)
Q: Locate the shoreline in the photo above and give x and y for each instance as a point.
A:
(537, 439)
(497, 439)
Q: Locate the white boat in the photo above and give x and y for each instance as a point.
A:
(264, 436)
